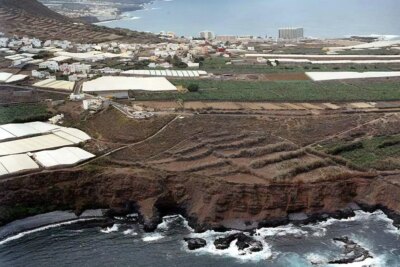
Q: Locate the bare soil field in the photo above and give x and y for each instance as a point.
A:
(203, 106)
(13, 95)
(286, 77)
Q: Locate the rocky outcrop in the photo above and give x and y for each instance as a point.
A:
(243, 242)
(353, 252)
(207, 203)
(195, 243)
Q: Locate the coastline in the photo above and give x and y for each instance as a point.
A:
(125, 14)
(107, 218)
(119, 191)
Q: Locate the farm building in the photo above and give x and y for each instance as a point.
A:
(9, 77)
(326, 76)
(167, 73)
(26, 147)
(119, 87)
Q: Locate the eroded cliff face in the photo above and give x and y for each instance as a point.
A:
(207, 203)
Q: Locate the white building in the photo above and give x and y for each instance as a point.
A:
(75, 68)
(36, 43)
(193, 65)
(51, 65)
(40, 74)
(119, 87)
(4, 42)
(207, 35)
(291, 33)
(226, 38)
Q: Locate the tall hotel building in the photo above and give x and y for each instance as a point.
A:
(291, 33)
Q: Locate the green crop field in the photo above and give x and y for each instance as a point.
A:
(218, 65)
(293, 91)
(23, 113)
(382, 153)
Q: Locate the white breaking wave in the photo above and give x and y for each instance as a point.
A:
(374, 262)
(316, 230)
(168, 220)
(316, 259)
(43, 228)
(108, 230)
(289, 229)
(164, 226)
(151, 237)
(130, 232)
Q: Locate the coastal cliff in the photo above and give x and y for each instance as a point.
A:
(207, 203)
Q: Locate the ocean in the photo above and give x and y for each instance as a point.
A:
(320, 18)
(126, 244)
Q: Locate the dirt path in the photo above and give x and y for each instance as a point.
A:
(350, 130)
(130, 145)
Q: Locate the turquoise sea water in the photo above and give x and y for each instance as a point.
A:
(320, 18)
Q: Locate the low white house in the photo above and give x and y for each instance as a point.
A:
(4, 42)
(193, 65)
(40, 74)
(51, 65)
(75, 68)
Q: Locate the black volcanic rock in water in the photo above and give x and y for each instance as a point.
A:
(352, 252)
(243, 242)
(195, 243)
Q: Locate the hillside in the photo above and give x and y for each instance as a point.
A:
(33, 19)
(32, 7)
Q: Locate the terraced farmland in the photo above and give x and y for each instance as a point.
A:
(252, 157)
(35, 20)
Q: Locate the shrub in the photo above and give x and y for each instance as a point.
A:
(388, 143)
(305, 168)
(258, 164)
(345, 148)
(193, 87)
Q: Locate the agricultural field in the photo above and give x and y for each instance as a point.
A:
(289, 91)
(23, 113)
(381, 51)
(251, 149)
(218, 65)
(382, 153)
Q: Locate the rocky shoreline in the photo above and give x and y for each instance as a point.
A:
(247, 244)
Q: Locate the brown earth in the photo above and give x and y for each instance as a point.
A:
(219, 171)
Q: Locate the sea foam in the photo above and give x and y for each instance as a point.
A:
(43, 228)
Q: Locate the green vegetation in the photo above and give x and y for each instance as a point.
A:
(382, 51)
(293, 91)
(218, 65)
(23, 113)
(176, 62)
(299, 51)
(382, 153)
(193, 87)
(345, 148)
